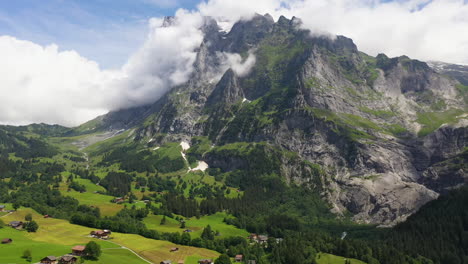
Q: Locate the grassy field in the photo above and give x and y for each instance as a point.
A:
(56, 237)
(196, 225)
(102, 201)
(324, 258)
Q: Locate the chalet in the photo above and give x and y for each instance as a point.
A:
(16, 224)
(47, 216)
(2, 207)
(174, 249)
(102, 234)
(119, 200)
(166, 262)
(7, 241)
(78, 250)
(205, 261)
(49, 260)
(238, 258)
(262, 239)
(253, 237)
(68, 259)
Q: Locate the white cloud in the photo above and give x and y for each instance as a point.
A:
(234, 61)
(44, 84)
(422, 29)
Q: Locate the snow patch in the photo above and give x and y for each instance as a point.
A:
(184, 145)
(150, 140)
(156, 148)
(245, 100)
(202, 166)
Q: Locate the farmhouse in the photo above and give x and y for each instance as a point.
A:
(7, 241)
(16, 224)
(49, 260)
(103, 234)
(166, 262)
(262, 239)
(205, 261)
(118, 200)
(68, 259)
(2, 207)
(174, 249)
(238, 258)
(78, 250)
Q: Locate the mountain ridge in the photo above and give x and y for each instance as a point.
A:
(379, 128)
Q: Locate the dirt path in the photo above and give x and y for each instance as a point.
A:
(122, 247)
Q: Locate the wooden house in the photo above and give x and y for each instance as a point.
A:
(174, 249)
(16, 224)
(205, 261)
(262, 239)
(238, 258)
(7, 241)
(49, 260)
(68, 259)
(2, 207)
(103, 234)
(78, 250)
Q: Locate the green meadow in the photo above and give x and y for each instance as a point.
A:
(324, 258)
(196, 225)
(57, 237)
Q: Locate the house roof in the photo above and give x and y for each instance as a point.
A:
(78, 248)
(239, 256)
(16, 223)
(68, 257)
(180, 262)
(53, 258)
(166, 262)
(2, 206)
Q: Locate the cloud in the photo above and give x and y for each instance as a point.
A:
(234, 61)
(422, 29)
(41, 83)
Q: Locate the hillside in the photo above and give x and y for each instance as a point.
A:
(378, 128)
(283, 147)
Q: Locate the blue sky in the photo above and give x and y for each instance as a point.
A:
(106, 31)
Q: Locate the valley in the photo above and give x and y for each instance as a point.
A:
(317, 154)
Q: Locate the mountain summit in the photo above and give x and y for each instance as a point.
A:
(377, 137)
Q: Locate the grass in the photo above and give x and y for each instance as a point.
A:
(95, 199)
(196, 225)
(378, 113)
(324, 258)
(433, 120)
(56, 237)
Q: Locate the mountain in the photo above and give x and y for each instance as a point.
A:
(387, 134)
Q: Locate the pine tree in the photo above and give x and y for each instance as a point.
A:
(163, 221)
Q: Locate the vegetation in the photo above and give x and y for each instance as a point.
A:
(433, 120)
(92, 250)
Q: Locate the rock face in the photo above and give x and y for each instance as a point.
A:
(390, 133)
